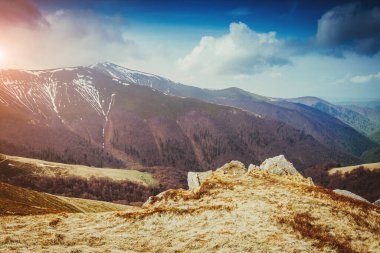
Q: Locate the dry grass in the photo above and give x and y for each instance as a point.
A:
(174, 211)
(54, 222)
(256, 212)
(304, 224)
(208, 187)
(355, 203)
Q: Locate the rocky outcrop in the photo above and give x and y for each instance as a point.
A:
(276, 165)
(310, 180)
(350, 194)
(377, 202)
(279, 165)
(195, 179)
(233, 168)
(253, 167)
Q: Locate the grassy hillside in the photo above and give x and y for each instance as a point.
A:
(348, 169)
(20, 166)
(362, 179)
(252, 212)
(113, 185)
(19, 201)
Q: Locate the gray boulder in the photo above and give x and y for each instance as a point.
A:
(253, 167)
(310, 180)
(195, 179)
(279, 165)
(377, 202)
(350, 194)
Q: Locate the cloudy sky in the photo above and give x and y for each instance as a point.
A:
(283, 48)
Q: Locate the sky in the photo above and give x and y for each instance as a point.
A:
(288, 48)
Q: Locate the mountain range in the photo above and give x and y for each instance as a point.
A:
(327, 130)
(107, 115)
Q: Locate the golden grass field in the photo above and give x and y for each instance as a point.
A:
(253, 212)
(36, 167)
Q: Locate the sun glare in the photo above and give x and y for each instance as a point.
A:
(2, 56)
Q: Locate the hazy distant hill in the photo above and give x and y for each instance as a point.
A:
(364, 120)
(376, 136)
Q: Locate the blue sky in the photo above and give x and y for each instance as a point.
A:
(273, 48)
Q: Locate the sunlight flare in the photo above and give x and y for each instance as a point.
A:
(2, 56)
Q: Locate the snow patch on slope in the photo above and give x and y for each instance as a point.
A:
(119, 72)
(106, 118)
(89, 93)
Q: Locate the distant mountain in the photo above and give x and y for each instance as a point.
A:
(363, 120)
(376, 136)
(83, 115)
(370, 113)
(326, 127)
(371, 156)
(372, 104)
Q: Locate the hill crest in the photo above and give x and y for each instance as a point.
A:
(255, 211)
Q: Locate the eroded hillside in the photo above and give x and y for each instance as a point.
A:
(233, 210)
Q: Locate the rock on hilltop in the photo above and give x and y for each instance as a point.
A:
(350, 194)
(277, 165)
(232, 210)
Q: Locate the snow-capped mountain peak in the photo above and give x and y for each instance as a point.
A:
(129, 75)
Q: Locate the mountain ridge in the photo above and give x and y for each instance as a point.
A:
(80, 115)
(334, 133)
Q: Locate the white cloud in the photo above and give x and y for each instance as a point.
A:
(365, 78)
(241, 51)
(258, 62)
